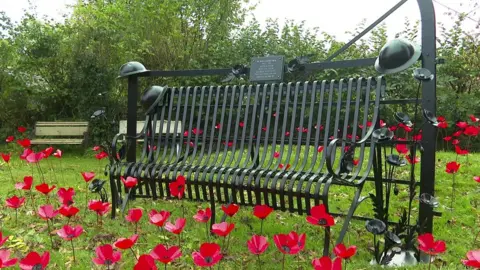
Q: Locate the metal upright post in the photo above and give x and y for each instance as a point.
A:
(427, 173)
(132, 118)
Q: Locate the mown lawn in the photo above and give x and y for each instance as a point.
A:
(458, 227)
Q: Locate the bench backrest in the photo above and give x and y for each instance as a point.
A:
(141, 124)
(61, 129)
(264, 125)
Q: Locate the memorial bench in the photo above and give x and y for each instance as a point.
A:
(282, 145)
(54, 133)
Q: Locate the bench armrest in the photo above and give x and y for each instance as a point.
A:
(347, 156)
(125, 137)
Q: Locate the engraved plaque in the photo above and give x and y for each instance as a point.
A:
(267, 69)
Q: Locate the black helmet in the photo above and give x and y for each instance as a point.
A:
(131, 68)
(397, 55)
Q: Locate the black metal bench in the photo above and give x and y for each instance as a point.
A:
(238, 136)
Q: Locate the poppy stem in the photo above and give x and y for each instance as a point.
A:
(40, 170)
(283, 261)
(259, 262)
(134, 255)
(453, 192)
(183, 210)
(179, 240)
(73, 249)
(223, 245)
(261, 227)
(49, 234)
(11, 173)
(86, 201)
(16, 217)
(136, 227)
(228, 242)
(165, 266)
(51, 167)
(429, 262)
(206, 231)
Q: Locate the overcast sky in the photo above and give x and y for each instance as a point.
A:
(332, 16)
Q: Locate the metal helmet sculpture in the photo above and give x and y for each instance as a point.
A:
(397, 55)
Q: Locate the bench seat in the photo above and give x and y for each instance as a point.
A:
(55, 133)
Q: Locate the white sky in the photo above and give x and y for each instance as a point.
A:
(331, 16)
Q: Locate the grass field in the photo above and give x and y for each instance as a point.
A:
(458, 227)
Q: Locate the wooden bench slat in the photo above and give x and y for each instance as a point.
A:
(57, 141)
(64, 131)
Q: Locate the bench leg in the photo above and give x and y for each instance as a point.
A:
(355, 203)
(114, 191)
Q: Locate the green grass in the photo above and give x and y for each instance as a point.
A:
(458, 227)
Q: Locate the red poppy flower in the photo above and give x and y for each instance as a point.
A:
(197, 131)
(177, 188)
(47, 212)
(291, 243)
(21, 129)
(230, 144)
(26, 184)
(287, 133)
(126, 243)
(165, 255)
(401, 148)
(35, 157)
(414, 161)
(185, 133)
(203, 216)
(43, 188)
(69, 233)
(427, 244)
(208, 255)
(356, 161)
(276, 154)
(218, 126)
(176, 228)
(417, 137)
(65, 196)
(47, 152)
(106, 255)
(15, 202)
(158, 218)
(460, 151)
(447, 138)
(345, 253)
(101, 208)
(392, 128)
(2, 240)
(462, 125)
(33, 261)
(473, 118)
(257, 244)
(58, 153)
(320, 149)
(441, 118)
(6, 157)
(25, 153)
(5, 260)
(471, 131)
(473, 259)
(262, 211)
(455, 142)
(25, 143)
(130, 182)
(96, 148)
(230, 209)
(325, 263)
(442, 125)
(101, 155)
(457, 133)
(319, 216)
(145, 262)
(452, 167)
(222, 229)
(9, 139)
(88, 176)
(281, 166)
(134, 215)
(68, 211)
(476, 178)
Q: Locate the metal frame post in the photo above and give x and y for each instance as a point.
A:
(429, 97)
(132, 118)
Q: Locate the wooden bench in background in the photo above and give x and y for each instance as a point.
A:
(171, 130)
(60, 133)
